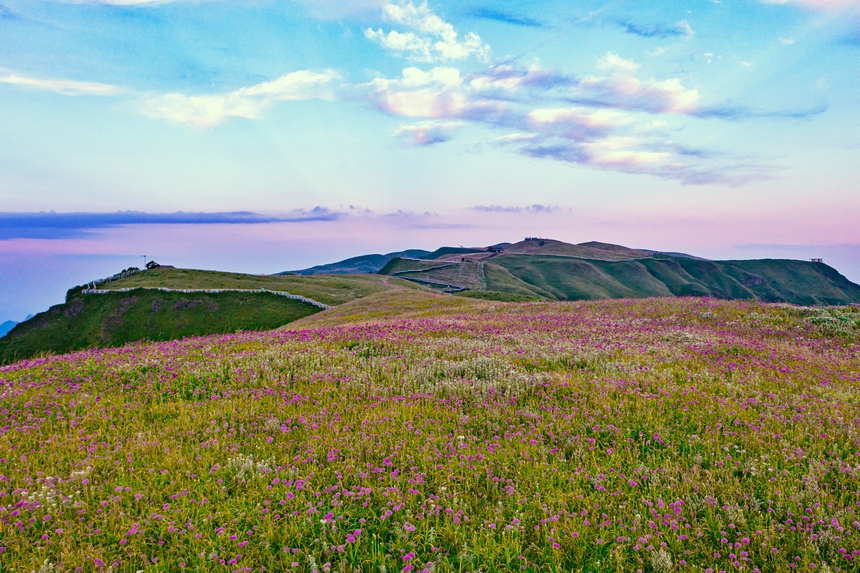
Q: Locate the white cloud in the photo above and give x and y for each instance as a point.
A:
(64, 87)
(427, 132)
(249, 102)
(432, 38)
(616, 151)
(438, 93)
(686, 28)
(612, 126)
(625, 91)
(580, 116)
(615, 63)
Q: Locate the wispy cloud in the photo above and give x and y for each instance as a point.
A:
(427, 132)
(7, 14)
(679, 29)
(735, 113)
(536, 208)
(248, 102)
(432, 39)
(505, 17)
(610, 126)
(622, 89)
(60, 86)
(53, 225)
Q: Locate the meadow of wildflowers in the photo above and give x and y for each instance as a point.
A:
(652, 435)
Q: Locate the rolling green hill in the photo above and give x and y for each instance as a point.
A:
(329, 289)
(103, 320)
(358, 265)
(374, 263)
(619, 274)
(133, 309)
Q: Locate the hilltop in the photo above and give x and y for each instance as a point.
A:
(545, 269)
(136, 307)
(372, 263)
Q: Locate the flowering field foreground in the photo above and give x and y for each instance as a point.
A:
(651, 435)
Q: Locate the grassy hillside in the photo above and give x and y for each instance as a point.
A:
(796, 282)
(400, 265)
(105, 320)
(555, 270)
(359, 265)
(328, 289)
(576, 279)
(558, 277)
(659, 435)
(592, 250)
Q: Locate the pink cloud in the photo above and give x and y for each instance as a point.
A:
(427, 132)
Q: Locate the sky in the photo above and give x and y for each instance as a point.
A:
(269, 135)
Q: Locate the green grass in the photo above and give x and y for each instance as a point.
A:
(328, 289)
(106, 320)
(577, 279)
(391, 305)
(499, 296)
(399, 265)
(667, 435)
(795, 282)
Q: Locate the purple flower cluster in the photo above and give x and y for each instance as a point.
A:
(653, 435)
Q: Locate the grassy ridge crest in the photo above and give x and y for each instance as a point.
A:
(113, 319)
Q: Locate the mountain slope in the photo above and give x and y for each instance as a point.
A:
(104, 320)
(552, 270)
(375, 263)
(358, 265)
(795, 282)
(145, 313)
(328, 289)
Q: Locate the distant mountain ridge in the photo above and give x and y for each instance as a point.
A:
(546, 269)
(6, 327)
(373, 263)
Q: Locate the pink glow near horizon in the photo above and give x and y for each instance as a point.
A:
(318, 242)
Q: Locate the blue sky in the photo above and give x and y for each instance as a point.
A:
(294, 132)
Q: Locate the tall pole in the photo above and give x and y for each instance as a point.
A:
(144, 260)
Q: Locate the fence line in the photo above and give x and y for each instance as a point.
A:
(214, 290)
